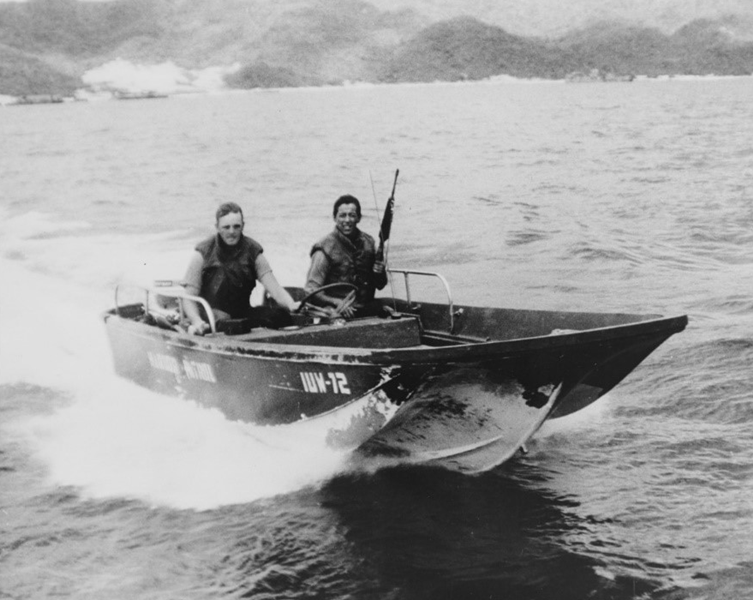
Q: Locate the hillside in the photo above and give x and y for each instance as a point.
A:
(700, 48)
(466, 49)
(46, 46)
(21, 74)
(555, 18)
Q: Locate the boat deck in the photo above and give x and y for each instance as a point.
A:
(369, 332)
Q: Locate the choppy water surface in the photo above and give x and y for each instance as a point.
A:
(621, 197)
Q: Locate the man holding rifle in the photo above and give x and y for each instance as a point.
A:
(347, 256)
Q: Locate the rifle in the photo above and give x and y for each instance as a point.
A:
(384, 229)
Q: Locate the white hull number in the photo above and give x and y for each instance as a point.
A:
(322, 383)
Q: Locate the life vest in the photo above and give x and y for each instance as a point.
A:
(350, 261)
(228, 275)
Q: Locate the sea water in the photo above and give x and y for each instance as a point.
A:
(630, 197)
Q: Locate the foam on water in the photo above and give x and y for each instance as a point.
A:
(111, 438)
(117, 440)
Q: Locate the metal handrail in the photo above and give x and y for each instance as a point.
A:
(160, 288)
(407, 272)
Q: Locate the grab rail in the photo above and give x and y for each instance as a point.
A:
(161, 288)
(407, 272)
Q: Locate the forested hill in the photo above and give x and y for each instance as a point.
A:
(47, 45)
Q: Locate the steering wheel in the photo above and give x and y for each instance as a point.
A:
(344, 303)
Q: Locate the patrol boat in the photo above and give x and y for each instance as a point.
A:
(462, 387)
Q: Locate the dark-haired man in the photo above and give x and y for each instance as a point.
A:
(224, 271)
(346, 255)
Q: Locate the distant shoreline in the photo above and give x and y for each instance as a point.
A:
(165, 92)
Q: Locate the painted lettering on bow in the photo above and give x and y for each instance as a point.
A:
(199, 370)
(323, 383)
(163, 362)
(190, 369)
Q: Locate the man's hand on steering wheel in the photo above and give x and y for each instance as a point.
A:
(347, 307)
(344, 308)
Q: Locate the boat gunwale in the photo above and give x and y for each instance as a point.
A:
(464, 352)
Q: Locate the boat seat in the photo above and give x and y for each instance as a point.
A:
(368, 332)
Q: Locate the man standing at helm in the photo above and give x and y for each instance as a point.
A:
(346, 255)
(224, 271)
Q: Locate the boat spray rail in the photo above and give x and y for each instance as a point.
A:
(406, 273)
(167, 289)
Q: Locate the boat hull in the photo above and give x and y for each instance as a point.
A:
(244, 386)
(389, 387)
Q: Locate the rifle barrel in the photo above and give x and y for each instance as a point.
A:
(386, 225)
